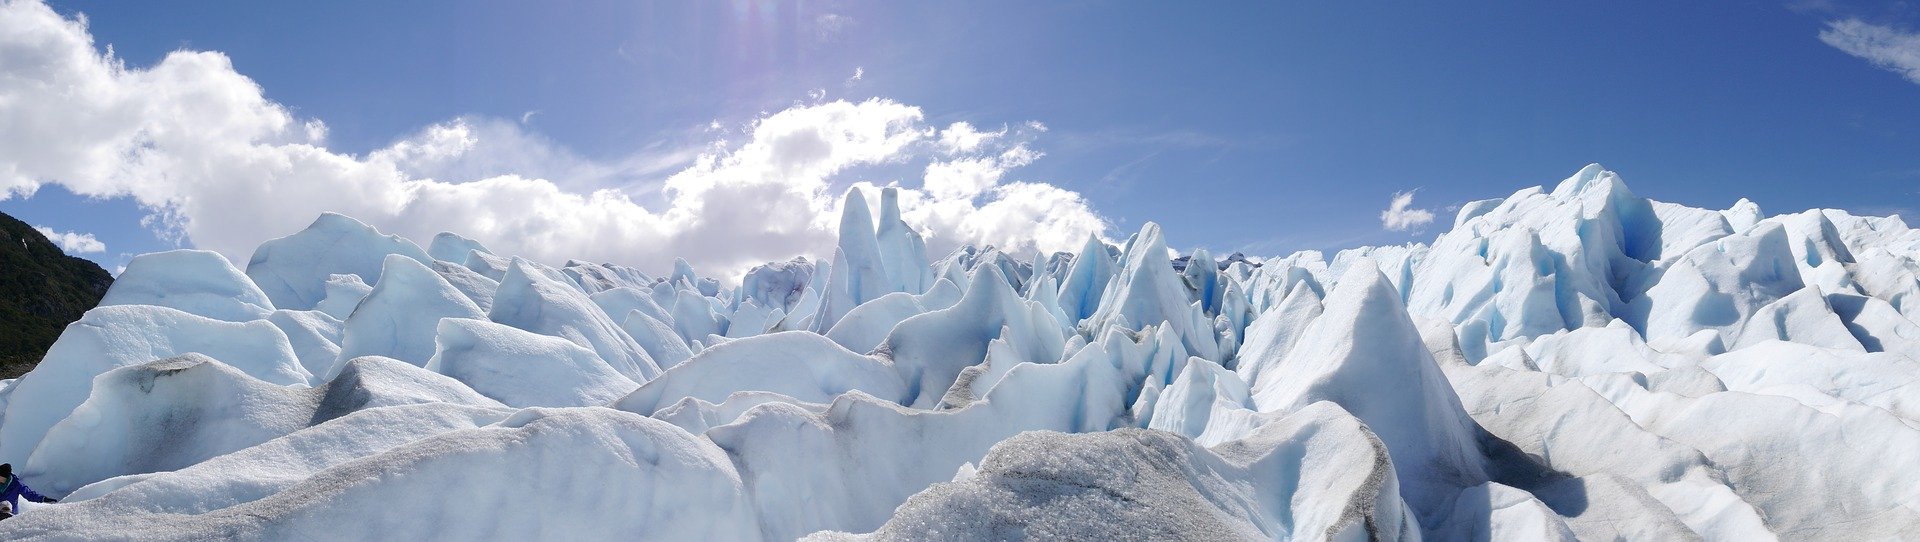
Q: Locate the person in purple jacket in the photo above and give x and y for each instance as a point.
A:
(11, 489)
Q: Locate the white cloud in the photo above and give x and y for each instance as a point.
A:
(978, 169)
(216, 162)
(1889, 48)
(73, 242)
(858, 73)
(962, 137)
(964, 178)
(1019, 155)
(1400, 216)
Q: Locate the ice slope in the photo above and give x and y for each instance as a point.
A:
(1579, 362)
(173, 413)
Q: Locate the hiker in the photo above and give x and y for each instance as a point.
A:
(11, 489)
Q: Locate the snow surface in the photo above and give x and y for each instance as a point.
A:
(1577, 362)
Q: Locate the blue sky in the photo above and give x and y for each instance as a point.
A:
(1267, 127)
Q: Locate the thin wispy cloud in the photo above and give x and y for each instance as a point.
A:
(1401, 216)
(1887, 47)
(73, 242)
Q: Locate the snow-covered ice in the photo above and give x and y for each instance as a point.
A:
(1568, 362)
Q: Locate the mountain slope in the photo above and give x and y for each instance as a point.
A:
(41, 291)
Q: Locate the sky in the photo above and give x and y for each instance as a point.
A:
(727, 132)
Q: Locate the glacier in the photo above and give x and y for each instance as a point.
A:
(1574, 362)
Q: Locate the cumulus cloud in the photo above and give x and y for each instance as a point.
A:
(962, 137)
(220, 165)
(1890, 48)
(1401, 216)
(73, 242)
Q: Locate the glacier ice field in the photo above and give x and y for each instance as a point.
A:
(1574, 363)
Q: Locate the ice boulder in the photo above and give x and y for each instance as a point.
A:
(1877, 324)
(1616, 348)
(199, 282)
(478, 288)
(777, 284)
(176, 412)
(107, 338)
(864, 327)
(577, 474)
(694, 318)
(344, 292)
(798, 364)
(599, 277)
(859, 273)
(261, 471)
(1205, 397)
(657, 338)
(1274, 333)
(1613, 479)
(160, 416)
(532, 299)
(398, 319)
(523, 369)
(1803, 317)
(1814, 444)
(1147, 292)
(903, 252)
(293, 270)
(930, 350)
(488, 265)
(1718, 285)
(617, 302)
(314, 337)
(1201, 276)
(1315, 475)
(1363, 343)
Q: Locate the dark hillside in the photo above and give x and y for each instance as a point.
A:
(41, 291)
